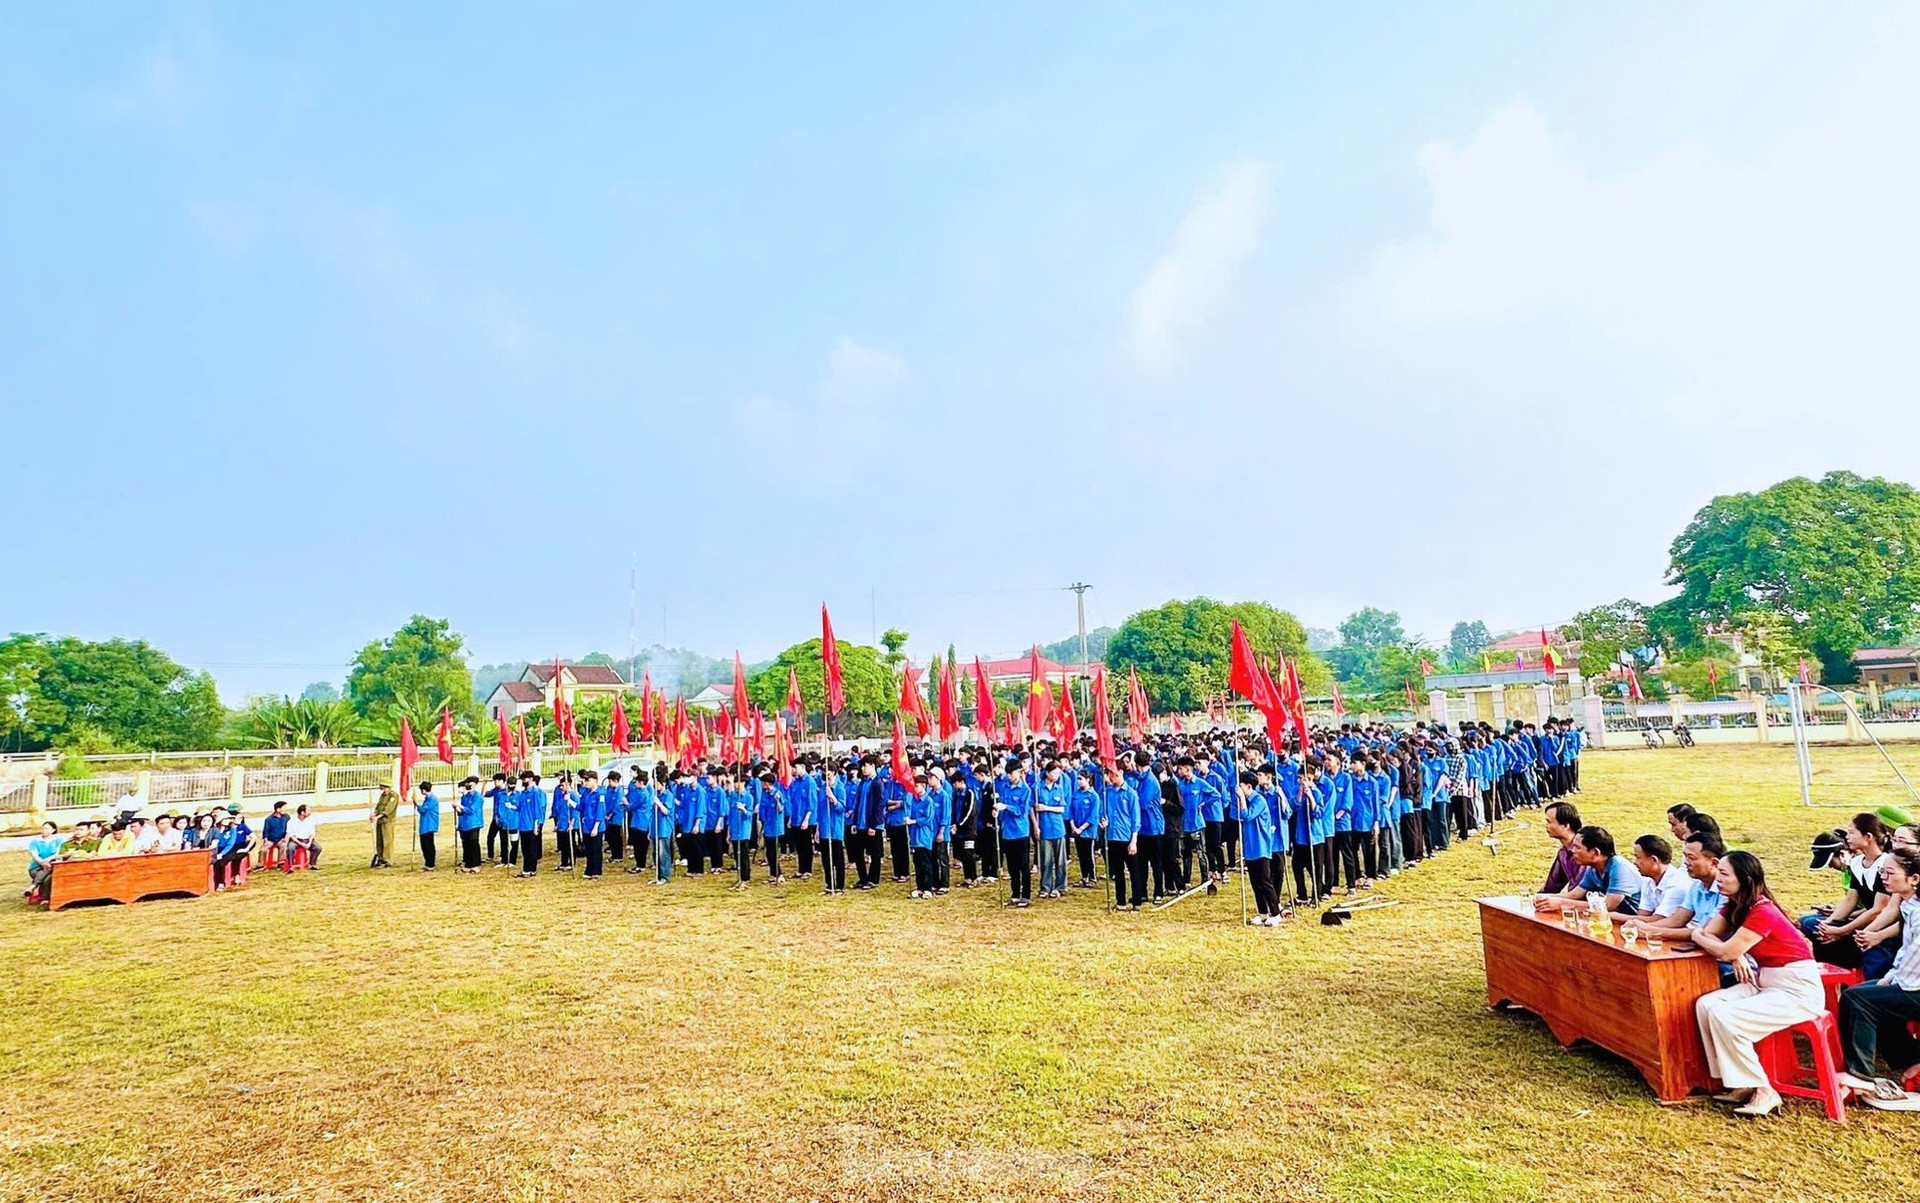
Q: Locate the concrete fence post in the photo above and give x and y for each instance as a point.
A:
(1760, 717)
(236, 784)
(143, 785)
(37, 801)
(319, 785)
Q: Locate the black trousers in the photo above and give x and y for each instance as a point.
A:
(641, 841)
(1019, 868)
(1230, 840)
(897, 848)
(1191, 842)
(716, 848)
(1153, 861)
(1437, 827)
(969, 859)
(563, 844)
(1083, 848)
(1369, 842)
(692, 850)
(616, 842)
(1260, 877)
(1463, 816)
(470, 848)
(743, 858)
(1346, 845)
(833, 857)
(1216, 853)
(1873, 1024)
(942, 866)
(595, 859)
(923, 870)
(987, 844)
(427, 851)
(1125, 867)
(530, 852)
(803, 848)
(508, 851)
(1413, 836)
(772, 843)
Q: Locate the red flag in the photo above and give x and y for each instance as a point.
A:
(1548, 660)
(409, 755)
(902, 771)
(1102, 720)
(740, 701)
(913, 700)
(1806, 677)
(1137, 713)
(1713, 677)
(1411, 704)
(1633, 685)
(646, 706)
(506, 741)
(1426, 667)
(1240, 674)
(525, 756)
(782, 753)
(982, 700)
(949, 705)
(1297, 701)
(796, 706)
(621, 732)
(830, 660)
(1067, 728)
(443, 739)
(728, 751)
(1339, 707)
(1179, 728)
(1010, 736)
(1039, 694)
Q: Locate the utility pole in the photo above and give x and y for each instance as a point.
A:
(633, 616)
(1079, 590)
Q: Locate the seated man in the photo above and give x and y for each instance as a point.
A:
(300, 834)
(146, 837)
(1604, 872)
(1563, 820)
(273, 835)
(118, 841)
(166, 838)
(1700, 899)
(1662, 883)
(41, 851)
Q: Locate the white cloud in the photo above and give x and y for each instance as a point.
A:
(1187, 286)
(1756, 282)
(851, 396)
(859, 375)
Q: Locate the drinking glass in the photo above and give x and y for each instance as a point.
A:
(1653, 942)
(1629, 932)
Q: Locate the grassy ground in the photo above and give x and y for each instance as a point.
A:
(351, 1035)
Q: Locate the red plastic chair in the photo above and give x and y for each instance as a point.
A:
(1835, 979)
(1797, 1080)
(296, 858)
(270, 857)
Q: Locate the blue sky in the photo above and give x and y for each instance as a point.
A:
(313, 318)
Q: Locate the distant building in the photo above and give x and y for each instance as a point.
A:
(578, 682)
(1888, 667)
(714, 696)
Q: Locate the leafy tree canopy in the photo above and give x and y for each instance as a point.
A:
(1182, 649)
(1612, 634)
(1838, 558)
(1467, 641)
(1067, 651)
(124, 694)
(415, 671)
(321, 691)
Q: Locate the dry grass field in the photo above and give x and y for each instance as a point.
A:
(397, 1035)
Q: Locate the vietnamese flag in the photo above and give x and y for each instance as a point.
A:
(443, 739)
(902, 771)
(1339, 707)
(795, 706)
(727, 750)
(830, 660)
(506, 742)
(739, 687)
(782, 753)
(1068, 724)
(1039, 694)
(758, 734)
(949, 705)
(1411, 704)
(1102, 719)
(409, 755)
(982, 700)
(1713, 677)
(525, 755)
(621, 732)
(1548, 660)
(646, 705)
(1298, 701)
(1633, 685)
(1010, 736)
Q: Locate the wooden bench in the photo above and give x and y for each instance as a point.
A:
(130, 878)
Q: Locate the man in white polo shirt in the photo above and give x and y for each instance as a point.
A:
(1662, 883)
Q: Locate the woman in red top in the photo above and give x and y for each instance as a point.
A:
(1777, 986)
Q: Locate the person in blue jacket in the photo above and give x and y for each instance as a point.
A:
(426, 820)
(469, 816)
(636, 811)
(1050, 809)
(801, 828)
(1083, 820)
(1150, 836)
(530, 812)
(1223, 773)
(505, 824)
(1013, 811)
(565, 812)
(612, 799)
(1251, 807)
(1365, 818)
(942, 791)
(664, 809)
(1119, 820)
(739, 804)
(771, 802)
(919, 808)
(1197, 796)
(895, 793)
(590, 822)
(830, 824)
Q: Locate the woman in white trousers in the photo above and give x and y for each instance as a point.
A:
(1777, 983)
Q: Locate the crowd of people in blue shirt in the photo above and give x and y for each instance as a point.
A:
(1169, 816)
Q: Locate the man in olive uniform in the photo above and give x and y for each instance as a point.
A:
(386, 811)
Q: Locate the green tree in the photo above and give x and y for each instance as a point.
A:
(1467, 641)
(125, 693)
(867, 679)
(1067, 651)
(320, 691)
(1613, 634)
(894, 640)
(1182, 649)
(1838, 558)
(1363, 636)
(415, 671)
(302, 723)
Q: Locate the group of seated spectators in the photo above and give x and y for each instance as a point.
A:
(223, 830)
(1718, 900)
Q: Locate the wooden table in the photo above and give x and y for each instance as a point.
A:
(129, 878)
(1632, 1002)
